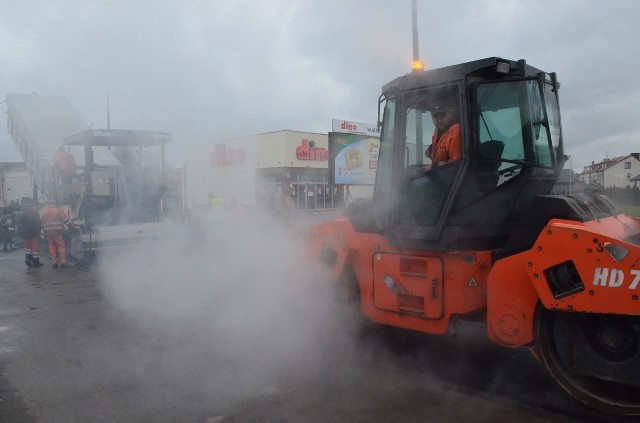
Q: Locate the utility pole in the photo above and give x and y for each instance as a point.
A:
(414, 22)
(106, 85)
(417, 66)
(570, 175)
(108, 111)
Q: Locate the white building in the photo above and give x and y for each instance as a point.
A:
(283, 170)
(615, 172)
(16, 184)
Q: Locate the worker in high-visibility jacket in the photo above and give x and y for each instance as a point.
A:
(64, 166)
(216, 205)
(29, 230)
(53, 220)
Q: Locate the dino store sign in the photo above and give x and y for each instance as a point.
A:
(309, 151)
(222, 156)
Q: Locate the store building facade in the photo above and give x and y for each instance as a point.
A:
(282, 171)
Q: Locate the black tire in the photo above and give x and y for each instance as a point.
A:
(551, 342)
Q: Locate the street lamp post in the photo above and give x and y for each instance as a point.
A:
(106, 84)
(108, 111)
(417, 66)
(570, 175)
(414, 26)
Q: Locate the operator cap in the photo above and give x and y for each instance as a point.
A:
(440, 108)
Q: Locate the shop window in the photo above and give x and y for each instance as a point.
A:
(310, 191)
(269, 191)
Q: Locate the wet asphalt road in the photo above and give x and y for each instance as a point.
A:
(66, 355)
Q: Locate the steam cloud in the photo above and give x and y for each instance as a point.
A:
(223, 310)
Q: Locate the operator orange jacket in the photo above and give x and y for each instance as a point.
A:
(448, 147)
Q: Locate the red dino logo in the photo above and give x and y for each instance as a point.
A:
(308, 151)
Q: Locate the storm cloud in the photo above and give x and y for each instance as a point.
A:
(209, 70)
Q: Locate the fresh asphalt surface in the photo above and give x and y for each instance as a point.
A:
(67, 356)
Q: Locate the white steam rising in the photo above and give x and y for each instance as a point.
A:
(223, 310)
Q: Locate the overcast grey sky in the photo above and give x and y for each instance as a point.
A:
(209, 70)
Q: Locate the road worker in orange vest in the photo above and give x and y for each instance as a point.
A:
(53, 220)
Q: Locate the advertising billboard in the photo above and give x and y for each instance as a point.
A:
(353, 153)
